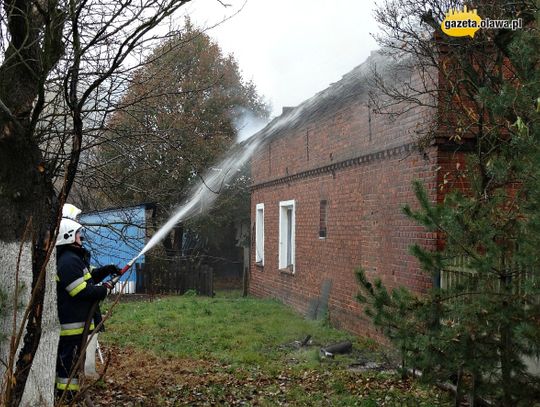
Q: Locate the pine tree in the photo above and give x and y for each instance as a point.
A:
(478, 327)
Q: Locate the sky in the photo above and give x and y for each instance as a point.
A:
(291, 49)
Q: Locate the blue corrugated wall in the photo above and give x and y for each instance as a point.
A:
(115, 237)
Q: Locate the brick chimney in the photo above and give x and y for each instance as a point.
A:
(287, 109)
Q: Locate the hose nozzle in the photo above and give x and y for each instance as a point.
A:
(127, 267)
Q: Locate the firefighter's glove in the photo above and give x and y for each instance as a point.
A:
(112, 270)
(109, 286)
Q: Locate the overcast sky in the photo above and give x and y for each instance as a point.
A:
(291, 49)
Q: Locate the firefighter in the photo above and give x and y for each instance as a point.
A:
(76, 292)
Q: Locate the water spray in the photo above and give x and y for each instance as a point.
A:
(204, 193)
(201, 196)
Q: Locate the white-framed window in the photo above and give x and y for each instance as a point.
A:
(259, 234)
(286, 234)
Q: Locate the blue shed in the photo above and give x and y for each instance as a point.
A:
(115, 236)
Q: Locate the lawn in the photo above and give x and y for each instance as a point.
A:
(229, 350)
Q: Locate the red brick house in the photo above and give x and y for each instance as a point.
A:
(328, 187)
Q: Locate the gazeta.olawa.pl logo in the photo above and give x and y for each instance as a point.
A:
(463, 23)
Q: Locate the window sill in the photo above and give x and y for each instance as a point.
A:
(259, 265)
(287, 270)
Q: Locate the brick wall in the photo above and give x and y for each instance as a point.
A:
(362, 164)
(351, 132)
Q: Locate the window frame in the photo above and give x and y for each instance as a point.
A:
(259, 234)
(323, 219)
(284, 252)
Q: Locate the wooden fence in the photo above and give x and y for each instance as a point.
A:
(175, 278)
(457, 274)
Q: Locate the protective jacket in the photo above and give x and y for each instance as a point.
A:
(76, 289)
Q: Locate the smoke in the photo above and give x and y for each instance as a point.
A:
(247, 124)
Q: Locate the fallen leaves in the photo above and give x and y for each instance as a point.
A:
(137, 378)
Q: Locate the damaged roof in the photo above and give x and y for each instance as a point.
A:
(352, 86)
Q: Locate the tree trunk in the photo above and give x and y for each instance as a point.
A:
(39, 388)
(29, 215)
(173, 247)
(458, 398)
(27, 203)
(506, 366)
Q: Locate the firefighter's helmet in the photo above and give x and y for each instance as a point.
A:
(67, 231)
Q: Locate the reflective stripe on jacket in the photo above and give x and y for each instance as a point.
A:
(76, 290)
(64, 383)
(74, 328)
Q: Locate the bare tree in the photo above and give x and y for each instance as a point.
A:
(64, 64)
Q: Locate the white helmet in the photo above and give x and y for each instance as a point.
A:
(66, 232)
(70, 211)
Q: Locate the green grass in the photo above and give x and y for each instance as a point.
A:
(251, 342)
(227, 328)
